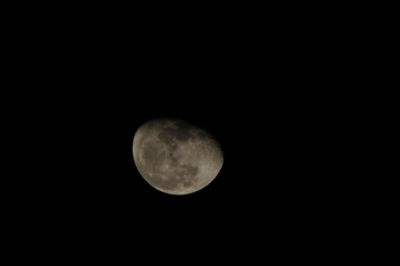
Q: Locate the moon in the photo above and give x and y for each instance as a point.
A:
(176, 157)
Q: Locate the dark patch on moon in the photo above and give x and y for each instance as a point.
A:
(174, 157)
(190, 175)
(153, 156)
(179, 131)
(166, 136)
(189, 170)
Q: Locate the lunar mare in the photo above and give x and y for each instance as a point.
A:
(176, 157)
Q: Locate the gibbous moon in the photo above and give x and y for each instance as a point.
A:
(176, 157)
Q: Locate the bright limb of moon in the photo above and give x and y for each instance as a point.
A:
(176, 157)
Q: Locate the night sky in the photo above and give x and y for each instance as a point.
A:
(271, 104)
(277, 178)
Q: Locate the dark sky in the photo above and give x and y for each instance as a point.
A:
(269, 98)
(278, 179)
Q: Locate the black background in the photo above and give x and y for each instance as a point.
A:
(268, 92)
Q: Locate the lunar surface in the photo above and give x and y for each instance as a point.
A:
(176, 157)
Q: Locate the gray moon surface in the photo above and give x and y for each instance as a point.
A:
(176, 157)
